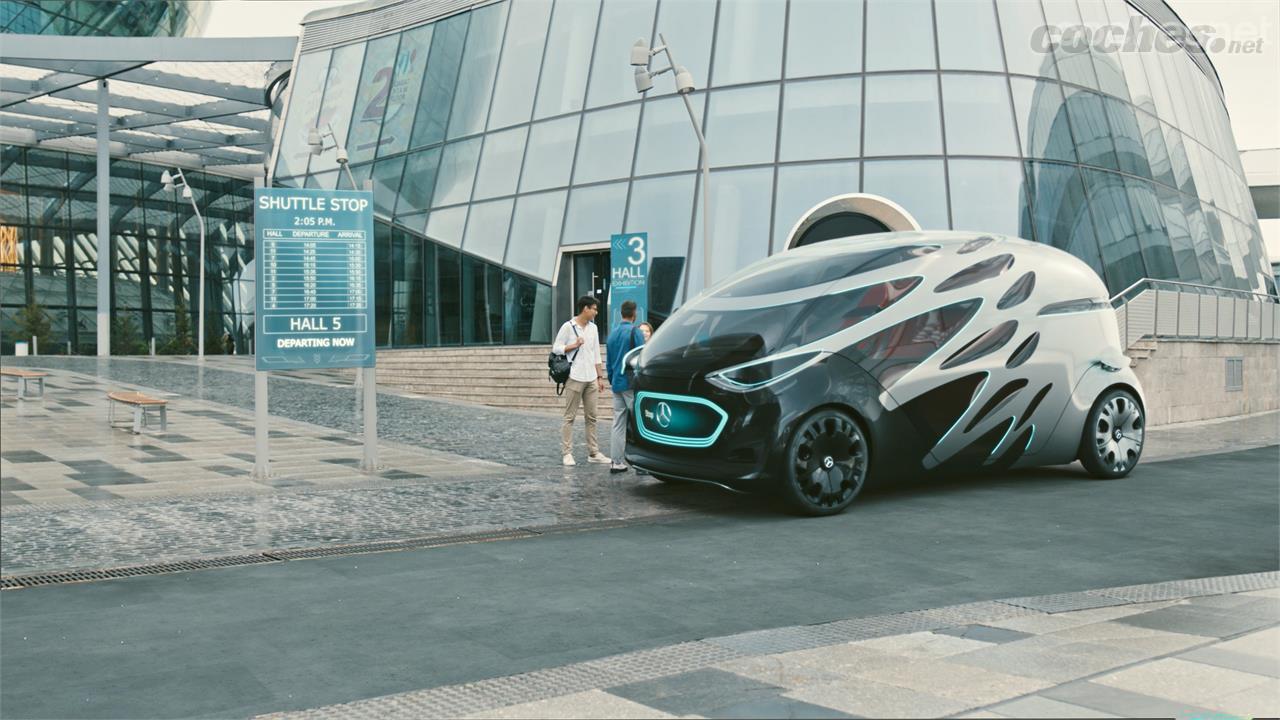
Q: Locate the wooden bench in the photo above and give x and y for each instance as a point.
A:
(141, 405)
(25, 377)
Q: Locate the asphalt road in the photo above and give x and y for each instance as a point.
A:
(246, 640)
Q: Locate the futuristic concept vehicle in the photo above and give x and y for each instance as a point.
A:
(824, 368)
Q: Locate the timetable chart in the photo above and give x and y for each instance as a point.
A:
(322, 270)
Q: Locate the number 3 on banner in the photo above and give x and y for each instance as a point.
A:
(637, 244)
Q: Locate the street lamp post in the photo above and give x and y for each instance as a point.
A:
(316, 139)
(640, 57)
(171, 182)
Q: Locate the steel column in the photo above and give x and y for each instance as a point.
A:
(104, 221)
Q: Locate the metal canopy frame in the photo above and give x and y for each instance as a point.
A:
(207, 98)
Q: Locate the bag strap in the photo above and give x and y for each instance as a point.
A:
(578, 349)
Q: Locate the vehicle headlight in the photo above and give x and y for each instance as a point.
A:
(760, 373)
(631, 361)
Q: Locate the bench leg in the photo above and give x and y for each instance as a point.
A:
(40, 387)
(164, 418)
(137, 419)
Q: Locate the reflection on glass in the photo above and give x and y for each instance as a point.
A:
(900, 35)
(1089, 125)
(445, 226)
(1178, 160)
(688, 26)
(406, 290)
(1153, 239)
(1153, 145)
(621, 23)
(744, 125)
(749, 41)
(487, 229)
(1042, 120)
(667, 141)
(1130, 153)
(1117, 236)
(1105, 53)
(1071, 45)
(1025, 45)
(402, 98)
(989, 196)
(441, 80)
(740, 201)
(449, 291)
(481, 302)
(419, 181)
(339, 94)
(528, 312)
(371, 99)
(800, 187)
(663, 207)
(1061, 212)
(304, 103)
(535, 233)
(968, 38)
(568, 57)
(1175, 222)
(607, 141)
(824, 37)
(595, 213)
(521, 58)
(386, 183)
(382, 283)
(479, 61)
(457, 172)
(500, 163)
(916, 185)
(549, 158)
(820, 119)
(902, 116)
(979, 120)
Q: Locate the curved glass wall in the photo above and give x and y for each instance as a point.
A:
(528, 137)
(126, 18)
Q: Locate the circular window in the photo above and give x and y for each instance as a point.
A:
(848, 215)
(841, 225)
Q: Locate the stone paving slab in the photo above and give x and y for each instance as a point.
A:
(919, 674)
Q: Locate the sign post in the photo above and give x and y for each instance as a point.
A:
(315, 302)
(628, 275)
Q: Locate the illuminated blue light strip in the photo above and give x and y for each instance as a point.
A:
(658, 437)
(1033, 437)
(976, 394)
(1013, 421)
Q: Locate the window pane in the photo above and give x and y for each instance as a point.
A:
(406, 291)
(902, 115)
(607, 142)
(824, 37)
(1026, 45)
(386, 183)
(1106, 64)
(594, 214)
(445, 226)
(371, 99)
(979, 120)
(740, 203)
(500, 163)
(1071, 47)
(989, 196)
(1042, 120)
(449, 293)
(419, 181)
(663, 207)
(968, 38)
(800, 187)
(1061, 214)
(487, 229)
(820, 119)
(749, 41)
(688, 26)
(305, 92)
(1153, 238)
(528, 316)
(550, 155)
(900, 35)
(667, 141)
(1130, 152)
(1089, 125)
(481, 302)
(744, 125)
(535, 233)
(402, 100)
(475, 80)
(382, 283)
(339, 94)
(622, 22)
(568, 57)
(1117, 238)
(441, 80)
(457, 172)
(521, 59)
(916, 185)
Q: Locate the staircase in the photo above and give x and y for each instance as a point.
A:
(506, 376)
(1141, 349)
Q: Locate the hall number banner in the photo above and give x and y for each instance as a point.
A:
(313, 278)
(628, 275)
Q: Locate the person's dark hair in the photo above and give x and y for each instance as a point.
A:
(629, 310)
(583, 303)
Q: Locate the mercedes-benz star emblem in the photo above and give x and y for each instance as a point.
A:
(664, 414)
(828, 462)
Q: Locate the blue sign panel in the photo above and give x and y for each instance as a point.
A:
(628, 275)
(314, 278)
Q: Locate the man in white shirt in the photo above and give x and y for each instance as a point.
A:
(579, 340)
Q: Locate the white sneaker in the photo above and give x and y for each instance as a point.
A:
(568, 460)
(599, 459)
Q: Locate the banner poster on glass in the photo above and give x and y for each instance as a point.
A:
(628, 275)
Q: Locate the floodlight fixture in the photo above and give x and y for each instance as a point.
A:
(640, 53)
(644, 81)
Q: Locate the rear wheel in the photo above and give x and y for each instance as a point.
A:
(1113, 436)
(826, 463)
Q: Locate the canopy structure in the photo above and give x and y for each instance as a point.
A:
(191, 102)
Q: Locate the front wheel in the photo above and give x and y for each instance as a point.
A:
(826, 464)
(1113, 435)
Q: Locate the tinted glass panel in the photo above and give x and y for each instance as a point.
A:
(481, 302)
(821, 119)
(549, 158)
(371, 99)
(441, 80)
(792, 271)
(446, 225)
(487, 229)
(893, 352)
(305, 92)
(1071, 46)
(744, 123)
(594, 213)
(688, 26)
(1042, 120)
(1061, 211)
(902, 115)
(968, 38)
(663, 207)
(1117, 238)
(1130, 152)
(475, 79)
(916, 185)
(749, 41)
(667, 141)
(900, 35)
(1089, 125)
(402, 99)
(1026, 50)
(622, 22)
(419, 181)
(521, 59)
(500, 163)
(988, 196)
(606, 144)
(457, 172)
(449, 292)
(979, 119)
(739, 210)
(568, 57)
(406, 291)
(339, 94)
(528, 316)
(535, 233)
(800, 187)
(386, 183)
(824, 37)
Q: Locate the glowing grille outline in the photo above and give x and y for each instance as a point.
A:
(672, 440)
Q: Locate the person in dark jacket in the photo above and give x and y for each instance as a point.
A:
(624, 338)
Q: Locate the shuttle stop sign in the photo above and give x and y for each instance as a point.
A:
(314, 278)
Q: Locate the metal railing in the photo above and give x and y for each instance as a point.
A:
(1171, 309)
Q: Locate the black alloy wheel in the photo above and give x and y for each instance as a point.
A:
(1113, 436)
(826, 463)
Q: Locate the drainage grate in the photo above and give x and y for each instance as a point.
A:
(74, 576)
(411, 544)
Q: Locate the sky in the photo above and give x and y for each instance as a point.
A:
(1250, 80)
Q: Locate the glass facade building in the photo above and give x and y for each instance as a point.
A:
(123, 18)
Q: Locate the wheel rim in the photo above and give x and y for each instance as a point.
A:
(1118, 434)
(829, 461)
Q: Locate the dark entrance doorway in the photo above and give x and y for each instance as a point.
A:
(840, 225)
(591, 277)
